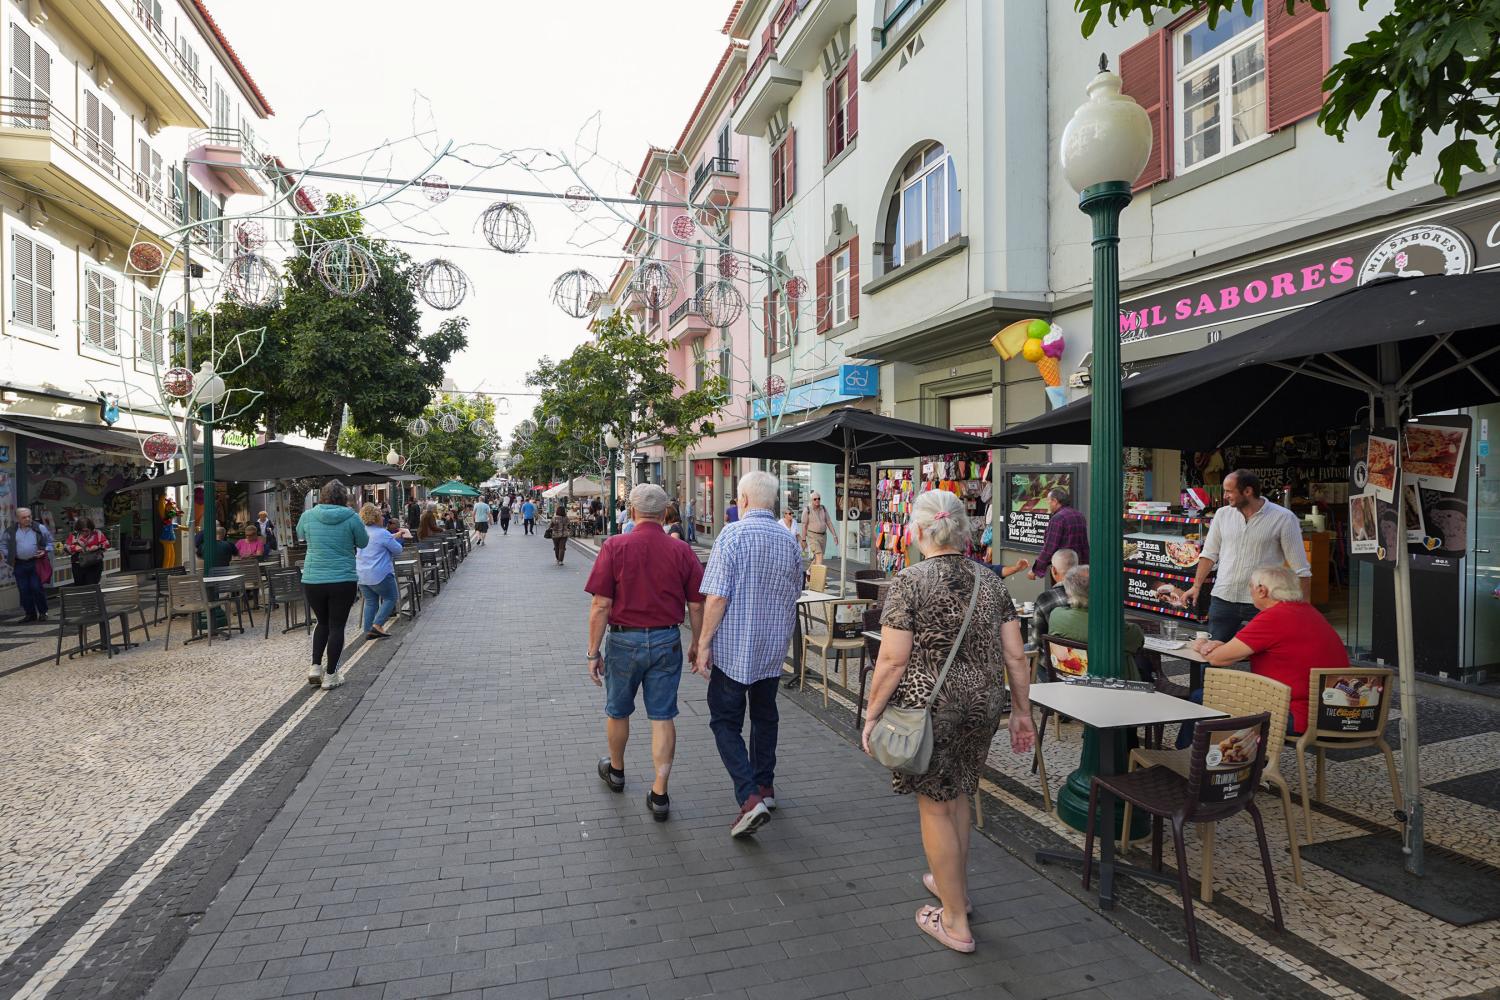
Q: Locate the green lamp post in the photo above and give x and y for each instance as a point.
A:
(612, 442)
(208, 392)
(1105, 147)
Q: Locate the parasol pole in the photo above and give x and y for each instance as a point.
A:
(844, 526)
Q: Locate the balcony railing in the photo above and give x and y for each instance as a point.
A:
(709, 167)
(784, 16)
(164, 45)
(231, 138)
(688, 305)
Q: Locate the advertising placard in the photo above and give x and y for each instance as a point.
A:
(1230, 759)
(1350, 703)
(1024, 502)
(861, 505)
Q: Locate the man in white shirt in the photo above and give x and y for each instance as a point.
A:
(1248, 533)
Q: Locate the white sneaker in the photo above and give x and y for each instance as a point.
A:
(751, 818)
(315, 674)
(333, 680)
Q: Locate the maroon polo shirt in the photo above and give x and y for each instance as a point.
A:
(649, 575)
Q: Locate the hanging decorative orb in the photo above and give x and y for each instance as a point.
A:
(249, 235)
(775, 386)
(577, 199)
(524, 430)
(720, 303)
(654, 284)
(449, 423)
(682, 227)
(796, 288)
(251, 280)
(553, 425)
(479, 427)
(729, 265)
(159, 447)
(309, 200)
(442, 284)
(502, 406)
(345, 268)
(506, 226)
(417, 427)
(145, 257)
(435, 188)
(177, 382)
(576, 292)
(481, 455)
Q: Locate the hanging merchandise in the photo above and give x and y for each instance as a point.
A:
(965, 475)
(894, 493)
(576, 293)
(506, 227)
(442, 284)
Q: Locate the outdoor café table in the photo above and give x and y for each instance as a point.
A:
(1196, 661)
(1105, 709)
(808, 598)
(229, 585)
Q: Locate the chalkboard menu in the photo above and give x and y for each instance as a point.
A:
(1024, 501)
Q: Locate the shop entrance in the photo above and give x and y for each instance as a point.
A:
(1484, 562)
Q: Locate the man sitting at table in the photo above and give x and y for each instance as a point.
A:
(1286, 640)
(1054, 597)
(1072, 622)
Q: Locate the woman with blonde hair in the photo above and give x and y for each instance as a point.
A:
(377, 573)
(948, 597)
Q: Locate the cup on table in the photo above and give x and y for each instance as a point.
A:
(1201, 636)
(1169, 630)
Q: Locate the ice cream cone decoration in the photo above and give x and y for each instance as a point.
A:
(1051, 370)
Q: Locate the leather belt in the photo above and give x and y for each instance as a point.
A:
(640, 628)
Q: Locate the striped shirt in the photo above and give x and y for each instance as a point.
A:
(756, 565)
(1271, 537)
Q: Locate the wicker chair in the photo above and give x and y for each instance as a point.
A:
(1237, 693)
(187, 597)
(817, 577)
(83, 608)
(827, 642)
(1344, 727)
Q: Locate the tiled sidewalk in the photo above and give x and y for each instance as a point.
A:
(453, 840)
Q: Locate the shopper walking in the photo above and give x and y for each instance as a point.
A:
(330, 576)
(815, 524)
(504, 510)
(528, 517)
(557, 530)
(674, 522)
(481, 522)
(689, 509)
(640, 584)
(376, 572)
(85, 546)
(28, 545)
(267, 531)
(925, 614)
(751, 586)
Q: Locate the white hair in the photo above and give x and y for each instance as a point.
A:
(1076, 586)
(1280, 583)
(759, 489)
(1063, 560)
(941, 517)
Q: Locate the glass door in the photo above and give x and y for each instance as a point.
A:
(1484, 551)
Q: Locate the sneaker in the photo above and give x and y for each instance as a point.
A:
(659, 806)
(768, 796)
(28, 619)
(315, 674)
(614, 779)
(332, 679)
(753, 816)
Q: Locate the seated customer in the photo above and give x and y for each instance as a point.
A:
(1072, 622)
(1054, 597)
(252, 546)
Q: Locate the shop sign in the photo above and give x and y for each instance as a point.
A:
(974, 431)
(860, 503)
(1228, 763)
(237, 439)
(859, 380)
(808, 396)
(703, 467)
(1024, 501)
(1456, 242)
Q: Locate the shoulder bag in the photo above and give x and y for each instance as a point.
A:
(902, 739)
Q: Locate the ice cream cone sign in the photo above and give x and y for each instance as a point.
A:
(1037, 341)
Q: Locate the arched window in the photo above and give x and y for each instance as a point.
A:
(926, 209)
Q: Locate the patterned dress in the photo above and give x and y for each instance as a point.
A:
(929, 600)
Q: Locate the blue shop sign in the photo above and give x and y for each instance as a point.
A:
(859, 380)
(810, 396)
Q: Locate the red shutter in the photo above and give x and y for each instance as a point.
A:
(789, 165)
(830, 121)
(851, 115)
(768, 313)
(825, 295)
(854, 278)
(777, 199)
(1296, 63)
(1146, 74)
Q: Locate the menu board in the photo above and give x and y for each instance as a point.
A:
(1350, 703)
(859, 497)
(1434, 474)
(1165, 552)
(1141, 592)
(1024, 501)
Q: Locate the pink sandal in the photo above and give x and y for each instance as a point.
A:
(930, 920)
(931, 885)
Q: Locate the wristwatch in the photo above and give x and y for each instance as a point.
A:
(595, 656)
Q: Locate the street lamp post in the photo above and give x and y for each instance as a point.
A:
(612, 442)
(209, 392)
(1105, 147)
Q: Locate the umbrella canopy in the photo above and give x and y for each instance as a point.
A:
(1313, 369)
(582, 487)
(856, 437)
(269, 461)
(454, 488)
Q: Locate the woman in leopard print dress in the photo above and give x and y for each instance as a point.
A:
(923, 613)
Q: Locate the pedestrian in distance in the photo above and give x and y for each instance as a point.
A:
(428, 526)
(267, 531)
(528, 517)
(689, 509)
(413, 514)
(557, 530)
(674, 522)
(330, 576)
(377, 573)
(751, 586)
(85, 546)
(640, 584)
(1067, 528)
(504, 513)
(731, 511)
(481, 522)
(943, 599)
(816, 521)
(28, 545)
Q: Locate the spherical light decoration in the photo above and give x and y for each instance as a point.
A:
(682, 227)
(553, 425)
(654, 284)
(249, 235)
(251, 280)
(775, 386)
(177, 382)
(209, 385)
(720, 303)
(345, 268)
(449, 423)
(1108, 139)
(146, 257)
(577, 199)
(435, 188)
(729, 265)
(479, 427)
(442, 284)
(417, 427)
(576, 292)
(309, 200)
(506, 226)
(796, 288)
(159, 447)
(481, 455)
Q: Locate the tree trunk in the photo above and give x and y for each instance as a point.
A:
(335, 427)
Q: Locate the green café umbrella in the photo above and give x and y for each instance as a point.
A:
(454, 488)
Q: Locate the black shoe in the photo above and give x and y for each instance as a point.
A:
(28, 619)
(41, 618)
(614, 779)
(659, 806)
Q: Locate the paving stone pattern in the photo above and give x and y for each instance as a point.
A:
(453, 840)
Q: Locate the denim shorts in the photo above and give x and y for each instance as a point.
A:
(636, 660)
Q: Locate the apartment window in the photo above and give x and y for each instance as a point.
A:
(898, 14)
(1220, 84)
(31, 297)
(841, 99)
(700, 363)
(780, 323)
(722, 144)
(838, 287)
(152, 335)
(726, 366)
(189, 55)
(100, 320)
(784, 171)
(840, 275)
(926, 209)
(98, 129)
(151, 9)
(149, 176)
(223, 115)
(30, 81)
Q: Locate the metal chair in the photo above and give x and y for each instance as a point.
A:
(187, 597)
(285, 588)
(236, 589)
(83, 608)
(409, 588)
(434, 569)
(159, 579)
(1343, 715)
(864, 589)
(1216, 788)
(127, 600)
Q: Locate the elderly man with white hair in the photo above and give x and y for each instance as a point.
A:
(752, 583)
(26, 546)
(640, 584)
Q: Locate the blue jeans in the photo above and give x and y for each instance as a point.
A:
(384, 594)
(33, 597)
(1226, 617)
(726, 711)
(691, 532)
(650, 660)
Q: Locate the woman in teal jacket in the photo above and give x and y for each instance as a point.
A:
(333, 531)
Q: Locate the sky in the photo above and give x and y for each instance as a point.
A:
(345, 77)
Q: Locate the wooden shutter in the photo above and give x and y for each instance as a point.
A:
(777, 199)
(42, 268)
(854, 278)
(1296, 63)
(20, 74)
(23, 291)
(851, 110)
(1146, 75)
(92, 309)
(91, 123)
(789, 164)
(41, 76)
(109, 319)
(831, 119)
(825, 295)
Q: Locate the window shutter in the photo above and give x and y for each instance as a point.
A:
(825, 295)
(20, 69)
(1145, 74)
(107, 131)
(108, 320)
(776, 173)
(22, 294)
(854, 278)
(42, 268)
(851, 113)
(1296, 63)
(768, 323)
(831, 120)
(91, 123)
(91, 308)
(41, 75)
(789, 164)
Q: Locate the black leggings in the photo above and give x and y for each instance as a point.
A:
(330, 602)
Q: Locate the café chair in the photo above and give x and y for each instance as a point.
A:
(817, 577)
(867, 658)
(433, 570)
(1336, 725)
(834, 639)
(1206, 795)
(1237, 693)
(159, 579)
(127, 598)
(409, 589)
(83, 608)
(1058, 658)
(187, 597)
(863, 588)
(285, 589)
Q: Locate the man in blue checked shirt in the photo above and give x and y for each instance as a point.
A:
(751, 586)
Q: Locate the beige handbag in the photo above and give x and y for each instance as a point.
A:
(902, 738)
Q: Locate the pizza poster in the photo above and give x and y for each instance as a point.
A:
(1025, 502)
(1163, 552)
(1350, 703)
(1230, 759)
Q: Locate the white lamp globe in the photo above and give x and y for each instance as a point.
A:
(210, 387)
(1108, 138)
(391, 458)
(610, 440)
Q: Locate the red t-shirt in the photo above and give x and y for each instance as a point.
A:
(1288, 641)
(649, 576)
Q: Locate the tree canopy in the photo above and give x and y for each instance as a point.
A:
(439, 455)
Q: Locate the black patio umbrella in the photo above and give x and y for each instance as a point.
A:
(1376, 355)
(274, 460)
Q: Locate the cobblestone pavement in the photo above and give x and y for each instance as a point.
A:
(453, 840)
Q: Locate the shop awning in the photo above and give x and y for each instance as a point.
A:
(89, 437)
(270, 461)
(852, 436)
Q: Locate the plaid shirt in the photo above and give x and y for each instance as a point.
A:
(1068, 529)
(1047, 602)
(757, 565)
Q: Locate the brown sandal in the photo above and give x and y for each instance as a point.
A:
(930, 920)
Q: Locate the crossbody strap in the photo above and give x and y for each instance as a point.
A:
(959, 641)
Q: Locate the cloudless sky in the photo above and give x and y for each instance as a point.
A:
(499, 75)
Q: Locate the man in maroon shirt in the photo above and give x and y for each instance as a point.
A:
(640, 583)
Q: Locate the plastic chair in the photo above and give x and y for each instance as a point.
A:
(285, 589)
(1057, 657)
(127, 600)
(817, 577)
(1237, 693)
(1343, 715)
(187, 597)
(865, 590)
(1216, 788)
(828, 641)
(83, 608)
